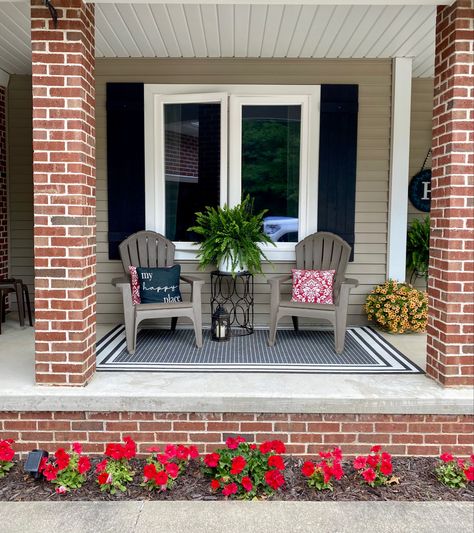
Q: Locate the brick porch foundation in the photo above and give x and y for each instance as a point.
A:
(304, 434)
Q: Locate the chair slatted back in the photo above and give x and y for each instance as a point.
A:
(324, 251)
(146, 249)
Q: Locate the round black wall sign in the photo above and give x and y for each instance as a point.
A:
(419, 190)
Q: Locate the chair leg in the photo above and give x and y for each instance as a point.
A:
(174, 321)
(28, 303)
(273, 328)
(19, 302)
(198, 329)
(295, 323)
(340, 330)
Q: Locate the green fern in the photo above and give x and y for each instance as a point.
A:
(231, 233)
(418, 247)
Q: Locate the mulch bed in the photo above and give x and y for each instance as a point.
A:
(417, 483)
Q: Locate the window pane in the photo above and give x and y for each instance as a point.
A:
(270, 165)
(192, 164)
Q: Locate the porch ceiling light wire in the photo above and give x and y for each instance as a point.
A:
(53, 12)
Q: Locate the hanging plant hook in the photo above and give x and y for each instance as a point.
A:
(53, 11)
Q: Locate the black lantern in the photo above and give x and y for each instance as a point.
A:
(33, 463)
(220, 324)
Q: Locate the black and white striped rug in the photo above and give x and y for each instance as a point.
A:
(365, 352)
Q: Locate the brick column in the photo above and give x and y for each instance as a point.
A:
(3, 186)
(450, 358)
(64, 192)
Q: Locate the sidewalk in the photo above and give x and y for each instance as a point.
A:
(244, 517)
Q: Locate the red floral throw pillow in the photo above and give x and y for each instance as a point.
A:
(135, 285)
(312, 286)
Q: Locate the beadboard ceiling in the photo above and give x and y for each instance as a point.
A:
(238, 30)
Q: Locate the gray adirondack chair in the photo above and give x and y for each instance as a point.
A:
(150, 249)
(320, 251)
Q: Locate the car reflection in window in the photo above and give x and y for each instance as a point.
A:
(281, 229)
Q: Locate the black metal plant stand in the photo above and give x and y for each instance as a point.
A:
(236, 294)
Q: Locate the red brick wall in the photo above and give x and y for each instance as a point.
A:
(64, 191)
(181, 155)
(303, 433)
(450, 351)
(3, 186)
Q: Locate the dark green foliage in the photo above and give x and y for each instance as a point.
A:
(231, 233)
(418, 247)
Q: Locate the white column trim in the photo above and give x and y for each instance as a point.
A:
(399, 160)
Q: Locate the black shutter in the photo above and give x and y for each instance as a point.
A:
(338, 160)
(125, 162)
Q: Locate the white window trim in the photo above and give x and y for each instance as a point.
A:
(308, 96)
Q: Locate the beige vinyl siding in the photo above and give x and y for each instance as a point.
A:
(20, 180)
(374, 80)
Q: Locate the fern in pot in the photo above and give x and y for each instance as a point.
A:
(418, 247)
(231, 237)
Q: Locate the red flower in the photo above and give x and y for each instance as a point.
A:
(163, 458)
(369, 475)
(130, 448)
(469, 473)
(325, 455)
(266, 447)
(61, 490)
(193, 452)
(386, 456)
(337, 454)
(337, 470)
(327, 471)
(238, 464)
(171, 450)
(386, 468)
(360, 462)
(376, 448)
(50, 472)
(77, 448)
(247, 483)
(161, 478)
(232, 443)
(172, 469)
(215, 484)
(101, 466)
(153, 449)
(446, 457)
(373, 460)
(62, 459)
(212, 459)
(253, 446)
(149, 471)
(308, 469)
(274, 479)
(182, 452)
(103, 478)
(83, 465)
(278, 446)
(229, 489)
(114, 450)
(275, 461)
(6, 451)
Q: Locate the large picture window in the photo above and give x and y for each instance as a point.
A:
(198, 154)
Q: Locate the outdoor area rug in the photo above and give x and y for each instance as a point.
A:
(365, 352)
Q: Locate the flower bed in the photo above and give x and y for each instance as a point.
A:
(263, 472)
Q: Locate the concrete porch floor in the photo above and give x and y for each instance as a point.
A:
(230, 392)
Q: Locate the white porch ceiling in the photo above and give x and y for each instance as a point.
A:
(271, 30)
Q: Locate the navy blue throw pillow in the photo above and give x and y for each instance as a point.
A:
(159, 285)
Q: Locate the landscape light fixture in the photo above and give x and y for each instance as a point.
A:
(33, 462)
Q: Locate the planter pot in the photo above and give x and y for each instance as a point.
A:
(225, 265)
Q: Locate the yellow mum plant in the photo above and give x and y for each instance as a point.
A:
(397, 307)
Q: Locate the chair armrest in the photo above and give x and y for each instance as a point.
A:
(350, 282)
(277, 280)
(192, 280)
(119, 282)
